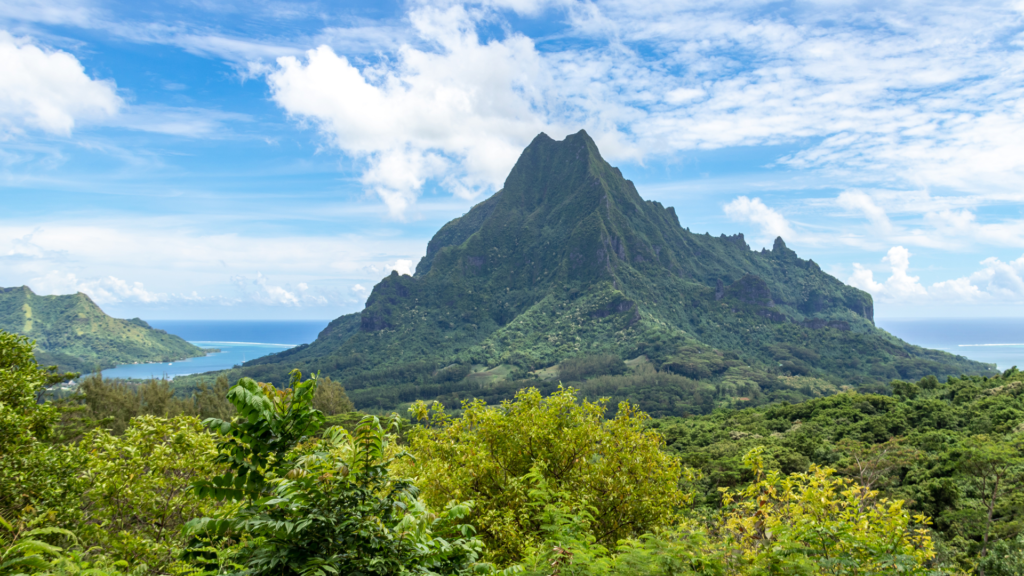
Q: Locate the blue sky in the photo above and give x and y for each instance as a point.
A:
(200, 159)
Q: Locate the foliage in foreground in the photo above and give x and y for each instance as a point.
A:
(514, 459)
(279, 495)
(323, 505)
(953, 450)
(802, 523)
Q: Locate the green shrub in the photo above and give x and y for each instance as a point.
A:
(323, 505)
(516, 459)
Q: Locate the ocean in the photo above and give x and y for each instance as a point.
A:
(238, 341)
(999, 340)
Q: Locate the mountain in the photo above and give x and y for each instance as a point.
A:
(567, 273)
(73, 333)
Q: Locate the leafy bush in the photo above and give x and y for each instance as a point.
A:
(137, 487)
(330, 505)
(513, 460)
(31, 552)
(802, 523)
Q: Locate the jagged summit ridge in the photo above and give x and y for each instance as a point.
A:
(566, 215)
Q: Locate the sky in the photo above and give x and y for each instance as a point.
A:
(274, 160)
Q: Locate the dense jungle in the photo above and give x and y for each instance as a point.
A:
(245, 477)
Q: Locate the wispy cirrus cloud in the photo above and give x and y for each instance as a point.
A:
(891, 96)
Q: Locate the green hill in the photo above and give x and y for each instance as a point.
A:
(73, 333)
(567, 261)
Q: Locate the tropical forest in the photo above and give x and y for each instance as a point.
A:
(570, 383)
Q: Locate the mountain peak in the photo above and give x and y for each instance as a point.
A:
(568, 261)
(71, 331)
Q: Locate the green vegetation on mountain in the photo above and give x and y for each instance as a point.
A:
(568, 263)
(73, 333)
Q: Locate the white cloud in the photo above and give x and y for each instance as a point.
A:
(772, 223)
(177, 121)
(995, 282)
(108, 290)
(900, 286)
(269, 294)
(896, 97)
(55, 283)
(49, 89)
(402, 266)
(261, 291)
(65, 12)
(194, 266)
(461, 114)
(857, 201)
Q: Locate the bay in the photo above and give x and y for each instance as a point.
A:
(998, 340)
(237, 340)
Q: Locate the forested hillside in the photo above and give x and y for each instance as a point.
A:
(951, 450)
(925, 482)
(568, 262)
(73, 333)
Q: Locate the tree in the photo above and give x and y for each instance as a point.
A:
(809, 523)
(875, 466)
(330, 398)
(517, 460)
(137, 487)
(34, 475)
(23, 419)
(270, 422)
(327, 505)
(992, 468)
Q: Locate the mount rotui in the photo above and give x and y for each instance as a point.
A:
(568, 263)
(73, 333)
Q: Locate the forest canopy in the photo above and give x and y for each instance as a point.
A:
(920, 482)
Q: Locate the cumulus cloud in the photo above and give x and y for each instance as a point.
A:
(261, 291)
(402, 266)
(108, 290)
(772, 223)
(996, 281)
(48, 89)
(900, 286)
(270, 294)
(461, 114)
